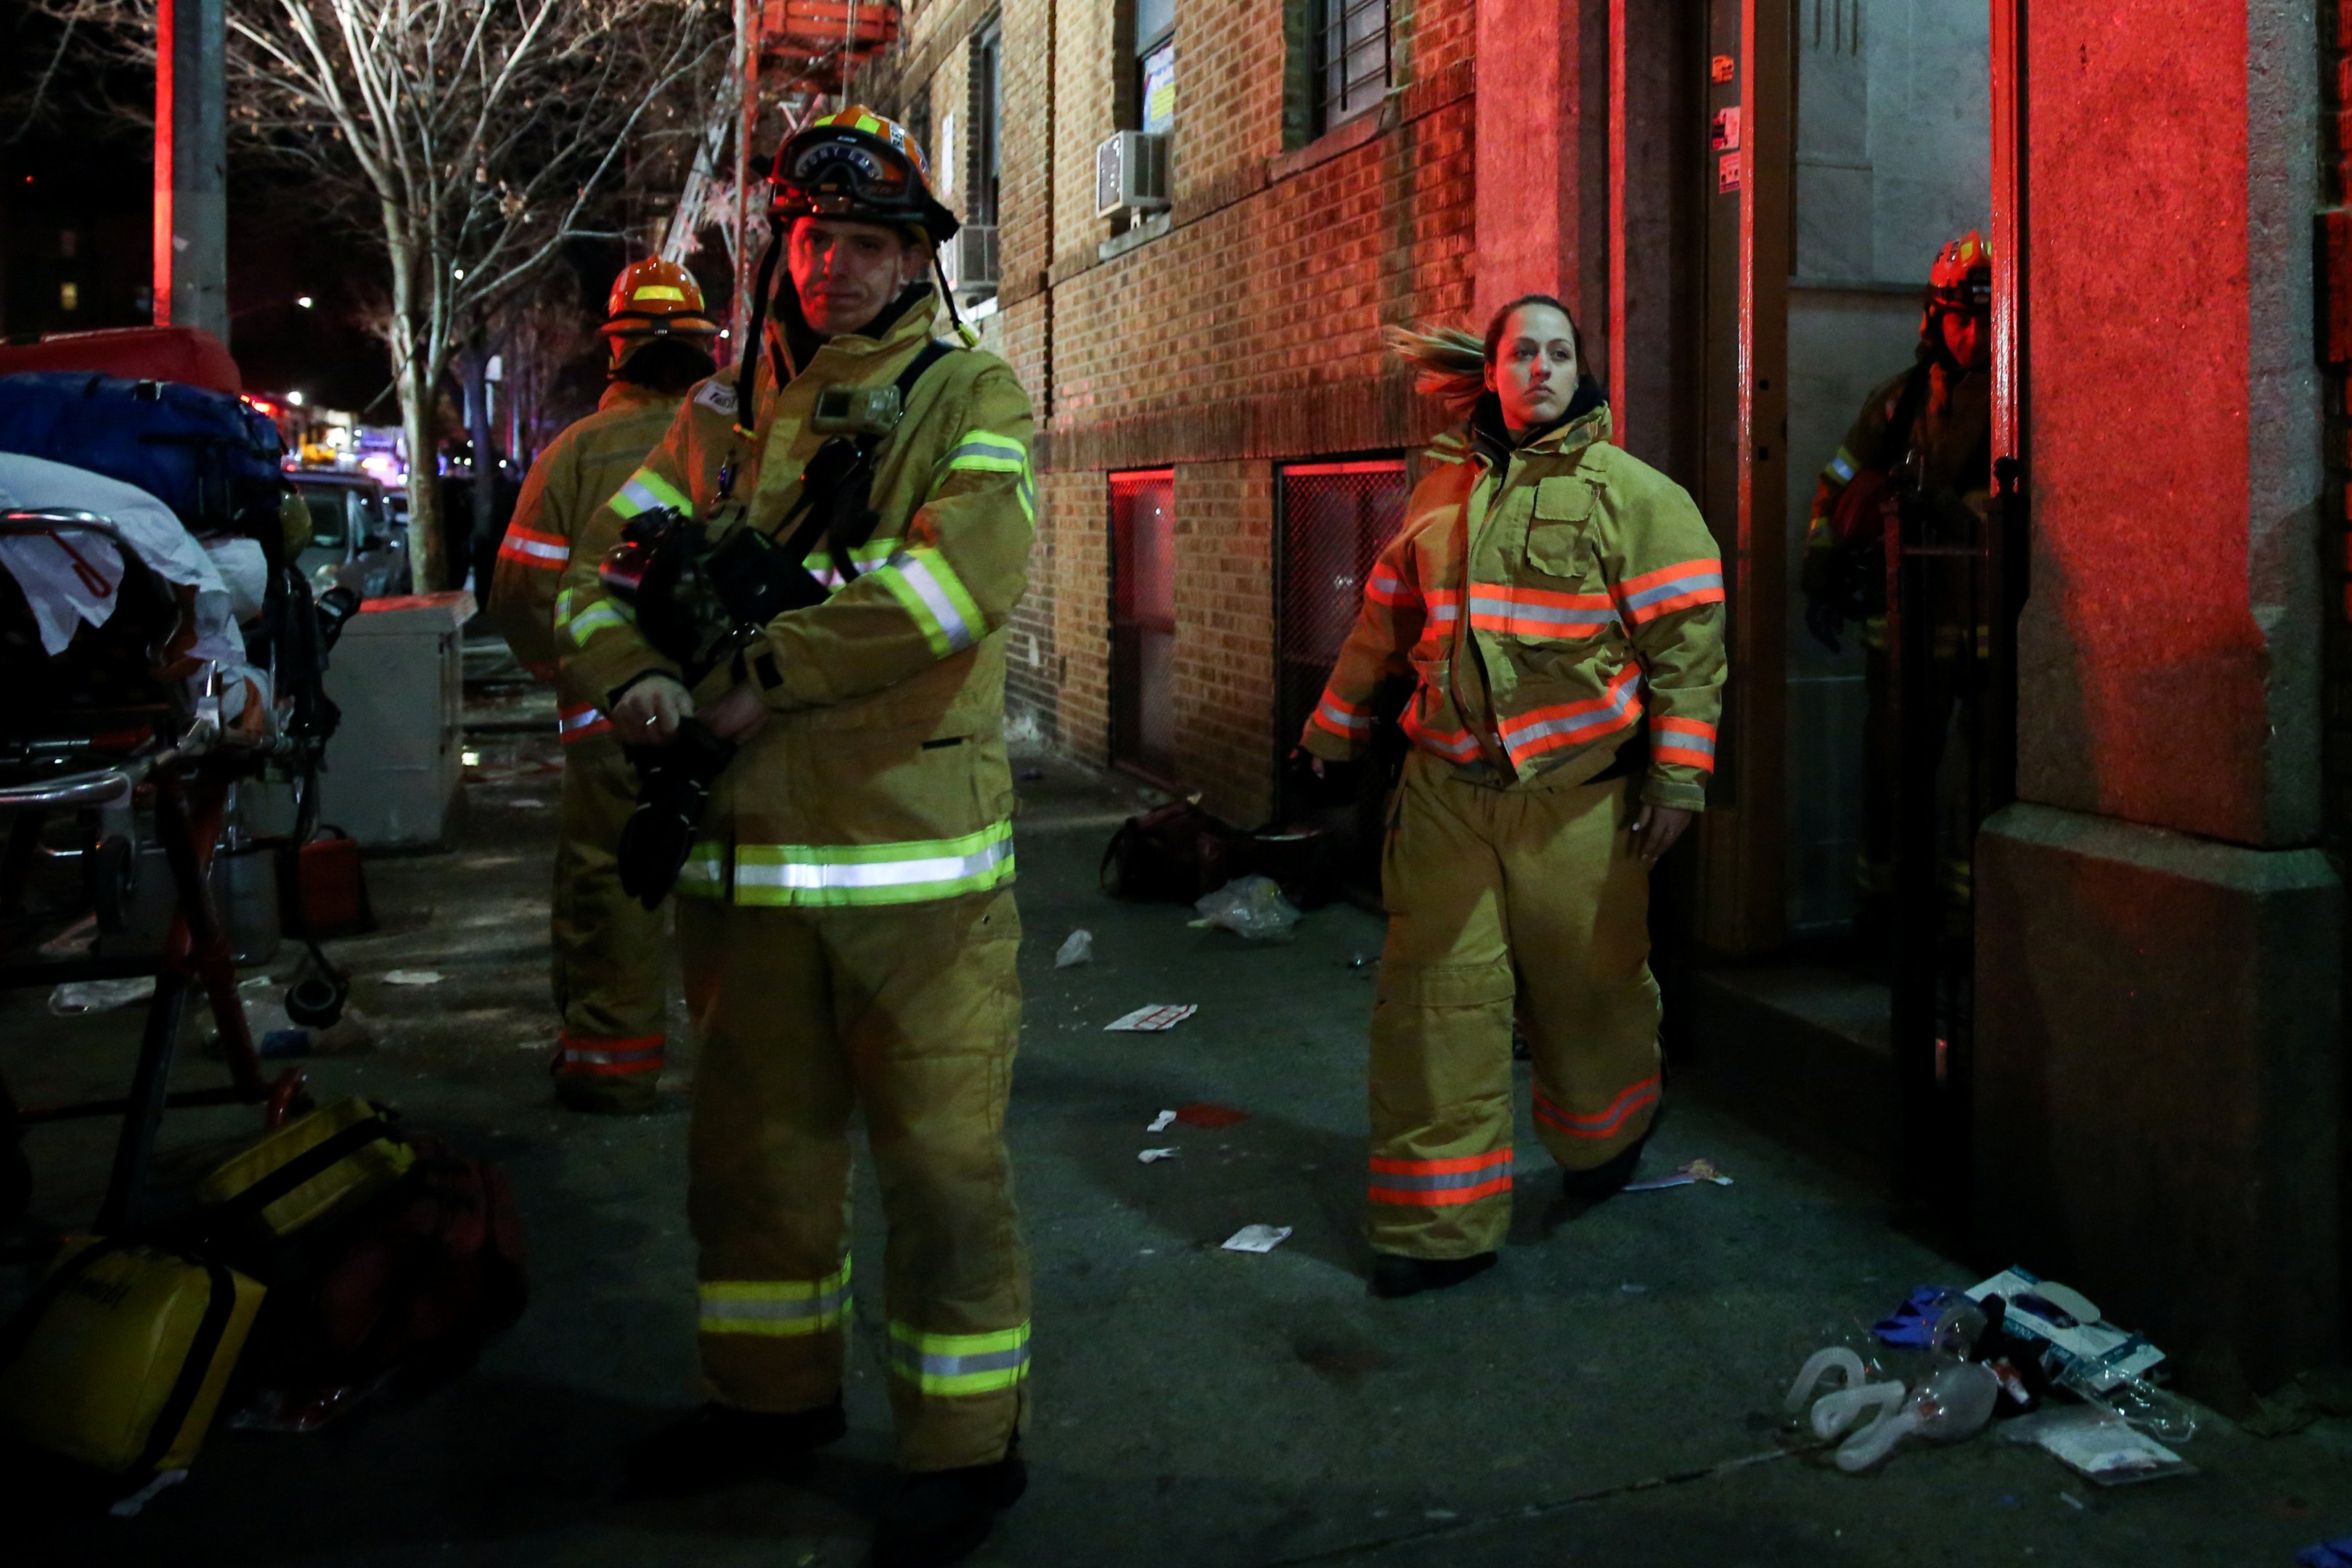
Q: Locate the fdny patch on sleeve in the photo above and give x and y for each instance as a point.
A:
(717, 397)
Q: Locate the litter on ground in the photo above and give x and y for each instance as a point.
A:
(1257, 1239)
(412, 977)
(1161, 1122)
(1153, 1156)
(1682, 1176)
(1153, 1018)
(1077, 948)
(98, 996)
(2097, 1445)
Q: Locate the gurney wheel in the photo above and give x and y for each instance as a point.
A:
(113, 879)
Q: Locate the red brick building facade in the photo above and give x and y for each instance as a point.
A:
(1233, 333)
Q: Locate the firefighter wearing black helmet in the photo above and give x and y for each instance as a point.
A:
(1923, 441)
(846, 918)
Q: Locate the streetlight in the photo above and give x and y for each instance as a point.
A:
(304, 300)
(294, 399)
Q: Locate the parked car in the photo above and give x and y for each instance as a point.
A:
(353, 540)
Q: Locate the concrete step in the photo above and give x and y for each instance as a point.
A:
(1800, 1050)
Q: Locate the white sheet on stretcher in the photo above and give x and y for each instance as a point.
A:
(65, 588)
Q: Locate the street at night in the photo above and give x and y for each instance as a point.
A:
(1101, 781)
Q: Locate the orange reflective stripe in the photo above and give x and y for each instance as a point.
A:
(609, 1059)
(1687, 740)
(1454, 745)
(1603, 1123)
(1542, 730)
(1386, 587)
(1346, 720)
(548, 552)
(579, 723)
(1430, 1184)
(1678, 587)
(1539, 613)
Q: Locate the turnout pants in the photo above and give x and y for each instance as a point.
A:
(1526, 900)
(611, 965)
(909, 1014)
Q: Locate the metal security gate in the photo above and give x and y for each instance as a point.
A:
(1143, 622)
(1334, 518)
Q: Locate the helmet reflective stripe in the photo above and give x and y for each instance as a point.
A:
(659, 291)
(960, 1363)
(775, 1307)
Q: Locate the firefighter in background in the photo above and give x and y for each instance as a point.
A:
(1921, 445)
(1559, 603)
(611, 963)
(846, 918)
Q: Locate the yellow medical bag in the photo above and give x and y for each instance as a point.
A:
(308, 1169)
(119, 1358)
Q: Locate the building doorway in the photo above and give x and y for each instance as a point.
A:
(1844, 144)
(1143, 622)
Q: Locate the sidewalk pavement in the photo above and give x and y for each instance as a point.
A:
(1609, 1394)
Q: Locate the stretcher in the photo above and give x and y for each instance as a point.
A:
(108, 753)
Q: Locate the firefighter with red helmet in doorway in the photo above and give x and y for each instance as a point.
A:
(798, 624)
(610, 963)
(1921, 449)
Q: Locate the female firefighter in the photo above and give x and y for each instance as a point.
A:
(1560, 606)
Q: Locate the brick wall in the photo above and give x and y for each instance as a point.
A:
(1224, 676)
(1246, 334)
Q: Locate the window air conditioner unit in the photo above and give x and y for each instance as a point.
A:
(972, 263)
(1131, 173)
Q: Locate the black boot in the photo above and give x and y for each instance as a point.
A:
(1395, 1275)
(938, 1517)
(719, 1446)
(1605, 1180)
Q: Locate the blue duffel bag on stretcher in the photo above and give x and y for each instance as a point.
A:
(211, 458)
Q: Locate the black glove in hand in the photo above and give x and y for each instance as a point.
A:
(1319, 782)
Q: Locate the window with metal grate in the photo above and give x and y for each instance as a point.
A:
(1351, 58)
(1336, 518)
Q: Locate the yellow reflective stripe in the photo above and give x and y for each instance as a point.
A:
(929, 589)
(960, 1363)
(986, 449)
(867, 122)
(704, 875)
(661, 292)
(595, 618)
(873, 553)
(1841, 468)
(564, 605)
(775, 1307)
(645, 491)
(836, 876)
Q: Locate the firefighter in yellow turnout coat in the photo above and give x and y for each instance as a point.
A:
(1560, 606)
(610, 959)
(846, 922)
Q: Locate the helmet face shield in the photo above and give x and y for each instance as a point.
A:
(857, 166)
(839, 178)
